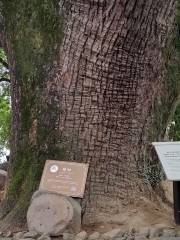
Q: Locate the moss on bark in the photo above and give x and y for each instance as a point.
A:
(34, 31)
(162, 108)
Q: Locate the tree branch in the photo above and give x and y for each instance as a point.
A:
(4, 63)
(5, 80)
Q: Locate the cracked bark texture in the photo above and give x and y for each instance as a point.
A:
(111, 72)
(96, 97)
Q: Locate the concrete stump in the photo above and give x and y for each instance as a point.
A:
(52, 214)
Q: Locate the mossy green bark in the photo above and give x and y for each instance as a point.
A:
(34, 31)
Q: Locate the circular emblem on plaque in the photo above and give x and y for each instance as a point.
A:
(54, 168)
(73, 189)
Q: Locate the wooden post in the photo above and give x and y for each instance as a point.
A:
(176, 195)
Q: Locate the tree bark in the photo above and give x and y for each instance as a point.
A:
(90, 78)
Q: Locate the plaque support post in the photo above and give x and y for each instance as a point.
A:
(176, 195)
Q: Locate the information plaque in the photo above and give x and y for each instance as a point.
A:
(169, 155)
(67, 178)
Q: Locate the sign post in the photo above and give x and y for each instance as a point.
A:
(169, 155)
(176, 196)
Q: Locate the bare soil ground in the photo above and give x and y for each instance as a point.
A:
(143, 213)
(139, 215)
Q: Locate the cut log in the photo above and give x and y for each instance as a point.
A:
(52, 214)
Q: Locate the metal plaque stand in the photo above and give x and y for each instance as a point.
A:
(176, 195)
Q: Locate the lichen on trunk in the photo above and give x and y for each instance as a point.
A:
(32, 33)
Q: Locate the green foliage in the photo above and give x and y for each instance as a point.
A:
(4, 115)
(174, 131)
(4, 71)
(5, 111)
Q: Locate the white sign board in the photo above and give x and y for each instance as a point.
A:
(169, 155)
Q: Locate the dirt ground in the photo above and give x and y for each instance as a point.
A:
(142, 214)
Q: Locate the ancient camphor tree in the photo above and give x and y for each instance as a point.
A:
(88, 85)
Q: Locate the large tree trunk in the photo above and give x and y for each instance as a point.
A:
(87, 79)
(111, 74)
